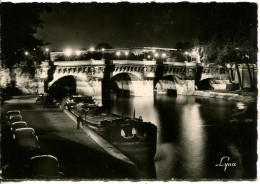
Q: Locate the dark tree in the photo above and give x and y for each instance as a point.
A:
(19, 23)
(230, 28)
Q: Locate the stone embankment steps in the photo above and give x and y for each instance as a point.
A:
(225, 95)
(107, 146)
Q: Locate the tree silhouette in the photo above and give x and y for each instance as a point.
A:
(19, 23)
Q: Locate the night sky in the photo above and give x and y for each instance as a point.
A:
(82, 25)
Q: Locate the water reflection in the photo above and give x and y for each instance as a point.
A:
(194, 133)
(192, 138)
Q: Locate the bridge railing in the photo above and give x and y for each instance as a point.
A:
(135, 62)
(79, 63)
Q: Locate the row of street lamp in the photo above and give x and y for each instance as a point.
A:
(68, 52)
(27, 53)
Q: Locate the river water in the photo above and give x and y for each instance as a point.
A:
(195, 134)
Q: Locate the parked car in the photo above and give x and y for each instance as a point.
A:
(40, 98)
(14, 118)
(17, 124)
(12, 113)
(25, 139)
(44, 167)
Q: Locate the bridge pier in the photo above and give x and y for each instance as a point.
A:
(91, 88)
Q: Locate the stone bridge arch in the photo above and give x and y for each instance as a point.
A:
(131, 84)
(88, 78)
(171, 84)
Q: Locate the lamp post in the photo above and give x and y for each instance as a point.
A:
(153, 53)
(118, 54)
(163, 55)
(92, 50)
(126, 54)
(102, 52)
(68, 52)
(156, 55)
(78, 52)
(46, 53)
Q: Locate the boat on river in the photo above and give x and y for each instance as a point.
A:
(132, 136)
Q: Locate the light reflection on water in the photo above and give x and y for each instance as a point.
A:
(193, 134)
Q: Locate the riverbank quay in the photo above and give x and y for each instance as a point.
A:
(80, 158)
(229, 95)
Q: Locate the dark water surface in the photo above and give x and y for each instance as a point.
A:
(195, 133)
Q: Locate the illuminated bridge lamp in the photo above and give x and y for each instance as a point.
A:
(126, 54)
(102, 52)
(156, 54)
(78, 52)
(118, 54)
(68, 52)
(92, 50)
(163, 55)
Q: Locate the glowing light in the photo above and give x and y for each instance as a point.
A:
(103, 53)
(78, 52)
(163, 55)
(92, 49)
(156, 54)
(26, 53)
(68, 52)
(149, 56)
(194, 53)
(47, 49)
(126, 54)
(118, 53)
(241, 105)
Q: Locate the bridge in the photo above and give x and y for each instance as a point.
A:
(138, 78)
(142, 77)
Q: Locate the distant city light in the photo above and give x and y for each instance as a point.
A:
(26, 53)
(154, 51)
(148, 56)
(47, 49)
(92, 49)
(156, 54)
(68, 52)
(78, 52)
(103, 49)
